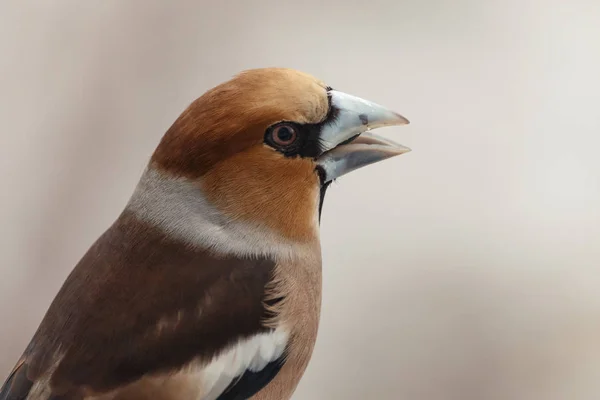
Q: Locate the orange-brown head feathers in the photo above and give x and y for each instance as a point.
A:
(263, 146)
(234, 116)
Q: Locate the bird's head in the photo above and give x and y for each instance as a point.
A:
(264, 145)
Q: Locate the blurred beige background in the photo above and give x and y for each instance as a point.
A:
(468, 269)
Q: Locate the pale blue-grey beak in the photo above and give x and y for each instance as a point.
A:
(348, 146)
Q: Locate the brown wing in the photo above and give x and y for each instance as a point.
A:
(17, 385)
(140, 302)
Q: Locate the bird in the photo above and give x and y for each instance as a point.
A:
(207, 285)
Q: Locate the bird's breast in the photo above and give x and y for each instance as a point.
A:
(298, 288)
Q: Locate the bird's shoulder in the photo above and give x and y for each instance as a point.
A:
(139, 303)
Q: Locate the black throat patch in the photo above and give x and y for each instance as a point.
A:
(324, 188)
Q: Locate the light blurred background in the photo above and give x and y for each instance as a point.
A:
(468, 269)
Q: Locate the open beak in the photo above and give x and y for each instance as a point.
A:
(347, 144)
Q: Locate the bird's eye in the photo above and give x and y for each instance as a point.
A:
(284, 135)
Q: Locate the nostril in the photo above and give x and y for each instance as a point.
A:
(364, 118)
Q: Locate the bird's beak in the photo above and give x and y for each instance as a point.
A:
(347, 144)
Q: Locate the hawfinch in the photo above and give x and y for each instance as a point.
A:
(208, 284)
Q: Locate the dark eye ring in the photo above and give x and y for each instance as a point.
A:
(284, 135)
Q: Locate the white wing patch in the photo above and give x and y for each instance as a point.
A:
(250, 354)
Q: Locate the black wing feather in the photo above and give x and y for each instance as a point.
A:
(17, 385)
(250, 383)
